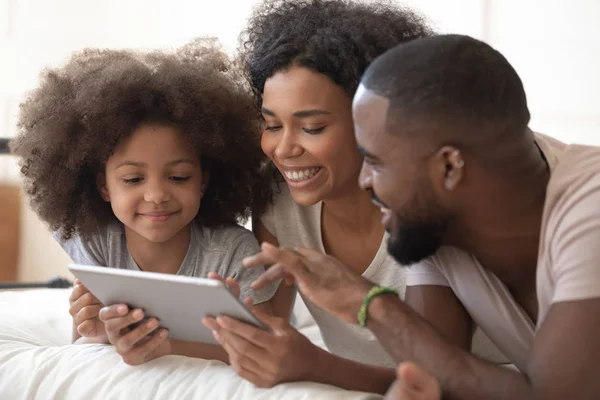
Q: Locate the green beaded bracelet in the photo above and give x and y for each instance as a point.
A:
(374, 292)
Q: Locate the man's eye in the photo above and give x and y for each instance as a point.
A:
(368, 161)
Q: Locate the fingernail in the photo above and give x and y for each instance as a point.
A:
(122, 310)
(138, 314)
(163, 334)
(215, 334)
(152, 323)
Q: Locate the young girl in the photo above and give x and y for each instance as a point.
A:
(145, 161)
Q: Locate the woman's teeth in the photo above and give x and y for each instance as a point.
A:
(298, 176)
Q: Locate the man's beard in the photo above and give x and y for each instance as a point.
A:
(415, 241)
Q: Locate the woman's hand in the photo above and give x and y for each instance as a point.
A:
(230, 283)
(261, 357)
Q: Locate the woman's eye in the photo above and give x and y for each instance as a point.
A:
(180, 179)
(314, 131)
(132, 180)
(272, 128)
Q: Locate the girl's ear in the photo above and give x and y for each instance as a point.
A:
(101, 184)
(205, 180)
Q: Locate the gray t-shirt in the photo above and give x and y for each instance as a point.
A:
(219, 250)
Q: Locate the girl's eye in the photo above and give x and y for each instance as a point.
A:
(132, 180)
(272, 128)
(180, 179)
(314, 131)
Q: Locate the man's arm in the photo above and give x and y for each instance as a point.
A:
(442, 309)
(563, 362)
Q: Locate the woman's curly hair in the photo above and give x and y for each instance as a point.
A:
(337, 38)
(70, 125)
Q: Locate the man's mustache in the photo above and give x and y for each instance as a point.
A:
(375, 199)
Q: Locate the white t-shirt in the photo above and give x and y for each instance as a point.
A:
(294, 225)
(568, 260)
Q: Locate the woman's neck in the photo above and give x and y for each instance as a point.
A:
(165, 257)
(354, 211)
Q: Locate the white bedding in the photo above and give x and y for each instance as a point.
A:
(37, 361)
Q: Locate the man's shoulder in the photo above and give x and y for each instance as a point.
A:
(575, 181)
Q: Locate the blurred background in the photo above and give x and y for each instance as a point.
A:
(553, 44)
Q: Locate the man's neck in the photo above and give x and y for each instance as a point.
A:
(502, 229)
(165, 257)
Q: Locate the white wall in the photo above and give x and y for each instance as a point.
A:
(553, 44)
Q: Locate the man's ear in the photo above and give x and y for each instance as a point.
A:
(448, 168)
(101, 184)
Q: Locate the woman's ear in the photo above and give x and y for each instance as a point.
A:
(101, 184)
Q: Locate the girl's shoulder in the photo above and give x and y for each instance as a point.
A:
(222, 238)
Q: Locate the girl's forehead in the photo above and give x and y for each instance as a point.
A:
(155, 143)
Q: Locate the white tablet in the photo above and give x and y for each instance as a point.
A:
(179, 302)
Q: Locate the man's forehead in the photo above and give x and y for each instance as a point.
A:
(370, 105)
(370, 115)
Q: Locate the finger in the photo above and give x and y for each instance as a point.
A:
(113, 311)
(87, 313)
(133, 337)
(233, 286)
(271, 275)
(77, 292)
(84, 300)
(242, 354)
(210, 323)
(141, 353)
(246, 331)
(114, 326)
(88, 328)
(414, 377)
(258, 260)
(292, 262)
(216, 277)
(309, 253)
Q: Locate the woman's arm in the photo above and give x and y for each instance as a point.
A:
(282, 302)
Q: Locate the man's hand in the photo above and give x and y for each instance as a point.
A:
(324, 280)
(265, 358)
(84, 308)
(136, 344)
(414, 383)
